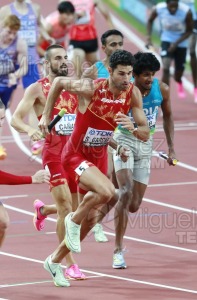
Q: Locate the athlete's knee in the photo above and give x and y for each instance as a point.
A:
(106, 193)
(125, 196)
(135, 204)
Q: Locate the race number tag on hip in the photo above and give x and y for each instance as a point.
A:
(96, 137)
(81, 168)
(65, 125)
(152, 120)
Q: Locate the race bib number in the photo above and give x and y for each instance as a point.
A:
(29, 36)
(65, 125)
(152, 121)
(95, 137)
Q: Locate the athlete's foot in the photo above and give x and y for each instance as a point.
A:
(38, 219)
(118, 260)
(37, 147)
(195, 95)
(180, 90)
(56, 272)
(72, 234)
(73, 272)
(99, 235)
(3, 153)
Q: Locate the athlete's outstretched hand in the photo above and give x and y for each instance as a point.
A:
(41, 176)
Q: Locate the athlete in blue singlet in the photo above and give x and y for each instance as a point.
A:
(111, 40)
(12, 49)
(133, 175)
(176, 26)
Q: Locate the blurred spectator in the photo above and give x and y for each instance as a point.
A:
(176, 26)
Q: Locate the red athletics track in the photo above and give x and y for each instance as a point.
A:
(160, 239)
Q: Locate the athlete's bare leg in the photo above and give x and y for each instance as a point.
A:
(4, 222)
(131, 193)
(63, 200)
(94, 216)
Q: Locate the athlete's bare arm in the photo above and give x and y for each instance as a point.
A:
(91, 72)
(33, 97)
(102, 9)
(168, 123)
(84, 88)
(143, 130)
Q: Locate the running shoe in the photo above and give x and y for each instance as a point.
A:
(37, 147)
(195, 95)
(72, 234)
(99, 235)
(180, 90)
(38, 219)
(56, 272)
(118, 260)
(3, 153)
(73, 272)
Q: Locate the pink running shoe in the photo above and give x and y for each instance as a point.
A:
(180, 90)
(37, 147)
(38, 219)
(73, 272)
(195, 95)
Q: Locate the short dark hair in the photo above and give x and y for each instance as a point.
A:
(66, 7)
(121, 57)
(168, 1)
(51, 47)
(108, 33)
(145, 61)
(2, 106)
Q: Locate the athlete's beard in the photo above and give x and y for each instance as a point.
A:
(59, 72)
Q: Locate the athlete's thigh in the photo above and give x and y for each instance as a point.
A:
(92, 179)
(125, 178)
(92, 57)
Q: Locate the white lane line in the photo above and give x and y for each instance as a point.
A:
(112, 276)
(172, 184)
(112, 234)
(15, 196)
(193, 211)
(18, 140)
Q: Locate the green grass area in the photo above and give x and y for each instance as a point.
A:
(132, 21)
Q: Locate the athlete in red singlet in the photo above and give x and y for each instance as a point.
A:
(58, 25)
(102, 105)
(35, 96)
(83, 34)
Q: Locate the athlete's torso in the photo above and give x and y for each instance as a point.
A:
(28, 30)
(58, 31)
(55, 141)
(151, 104)
(95, 127)
(8, 60)
(102, 71)
(172, 26)
(84, 29)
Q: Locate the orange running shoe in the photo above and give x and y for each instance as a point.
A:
(3, 153)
